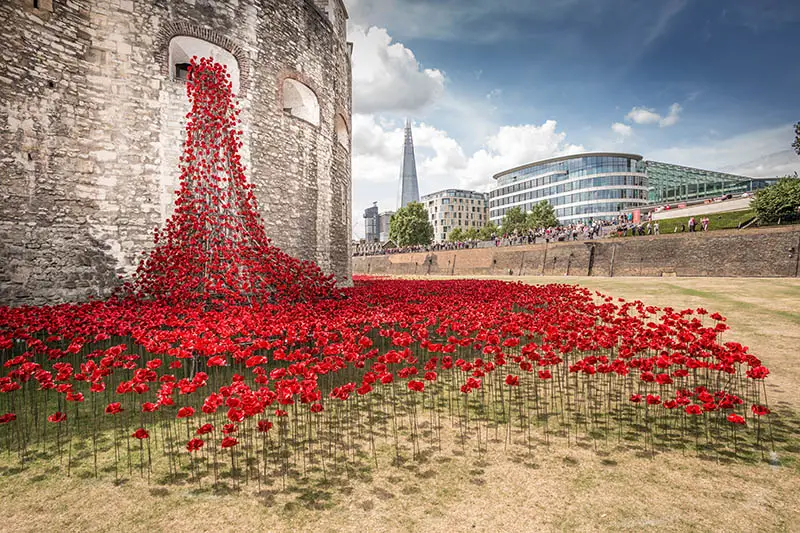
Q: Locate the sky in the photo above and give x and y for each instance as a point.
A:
(489, 85)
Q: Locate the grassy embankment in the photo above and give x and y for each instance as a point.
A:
(729, 220)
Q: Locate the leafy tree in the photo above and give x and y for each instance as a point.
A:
(796, 143)
(456, 235)
(514, 220)
(410, 226)
(488, 230)
(472, 234)
(542, 216)
(777, 201)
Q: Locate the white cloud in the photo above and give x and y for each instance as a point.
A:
(387, 77)
(642, 115)
(621, 129)
(757, 154)
(672, 118)
(494, 94)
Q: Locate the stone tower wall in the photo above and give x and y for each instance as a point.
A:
(91, 129)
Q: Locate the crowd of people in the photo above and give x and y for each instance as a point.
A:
(572, 232)
(623, 226)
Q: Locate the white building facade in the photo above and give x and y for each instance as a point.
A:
(455, 208)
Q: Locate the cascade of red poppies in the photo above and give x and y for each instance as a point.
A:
(214, 248)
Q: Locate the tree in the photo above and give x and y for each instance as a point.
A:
(777, 201)
(796, 143)
(542, 216)
(472, 234)
(410, 226)
(488, 230)
(514, 220)
(456, 235)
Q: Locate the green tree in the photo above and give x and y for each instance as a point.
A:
(796, 143)
(777, 201)
(488, 230)
(455, 235)
(542, 216)
(472, 234)
(410, 226)
(514, 220)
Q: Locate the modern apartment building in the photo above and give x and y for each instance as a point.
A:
(455, 208)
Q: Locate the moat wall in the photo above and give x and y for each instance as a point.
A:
(773, 252)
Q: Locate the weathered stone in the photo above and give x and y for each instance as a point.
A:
(768, 252)
(93, 129)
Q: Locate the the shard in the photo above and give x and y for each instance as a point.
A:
(409, 189)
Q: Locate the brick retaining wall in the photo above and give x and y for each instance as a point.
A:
(771, 252)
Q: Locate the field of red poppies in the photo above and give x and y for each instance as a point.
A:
(247, 393)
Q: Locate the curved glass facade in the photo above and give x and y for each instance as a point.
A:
(581, 188)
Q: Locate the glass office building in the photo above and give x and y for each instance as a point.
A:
(600, 186)
(674, 183)
(580, 187)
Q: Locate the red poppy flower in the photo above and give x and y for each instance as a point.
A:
(185, 412)
(205, 428)
(8, 417)
(114, 408)
(417, 386)
(227, 429)
(57, 417)
(264, 426)
(636, 398)
(149, 407)
(140, 434)
(545, 374)
(194, 445)
(653, 399)
(229, 442)
(512, 381)
(760, 410)
(733, 418)
(693, 409)
(317, 408)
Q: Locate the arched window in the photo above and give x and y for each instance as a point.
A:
(300, 101)
(182, 48)
(342, 135)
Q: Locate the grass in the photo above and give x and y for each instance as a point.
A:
(729, 220)
(555, 488)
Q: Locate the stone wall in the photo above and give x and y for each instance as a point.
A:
(91, 128)
(772, 252)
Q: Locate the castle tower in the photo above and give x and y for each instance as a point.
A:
(93, 132)
(409, 188)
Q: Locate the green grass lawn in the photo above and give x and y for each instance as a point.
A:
(729, 220)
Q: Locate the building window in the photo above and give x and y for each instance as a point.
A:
(300, 101)
(342, 135)
(42, 5)
(183, 48)
(182, 71)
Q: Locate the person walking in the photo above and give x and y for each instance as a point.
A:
(692, 224)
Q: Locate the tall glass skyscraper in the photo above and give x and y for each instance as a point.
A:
(409, 188)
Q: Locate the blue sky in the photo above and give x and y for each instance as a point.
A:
(490, 85)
